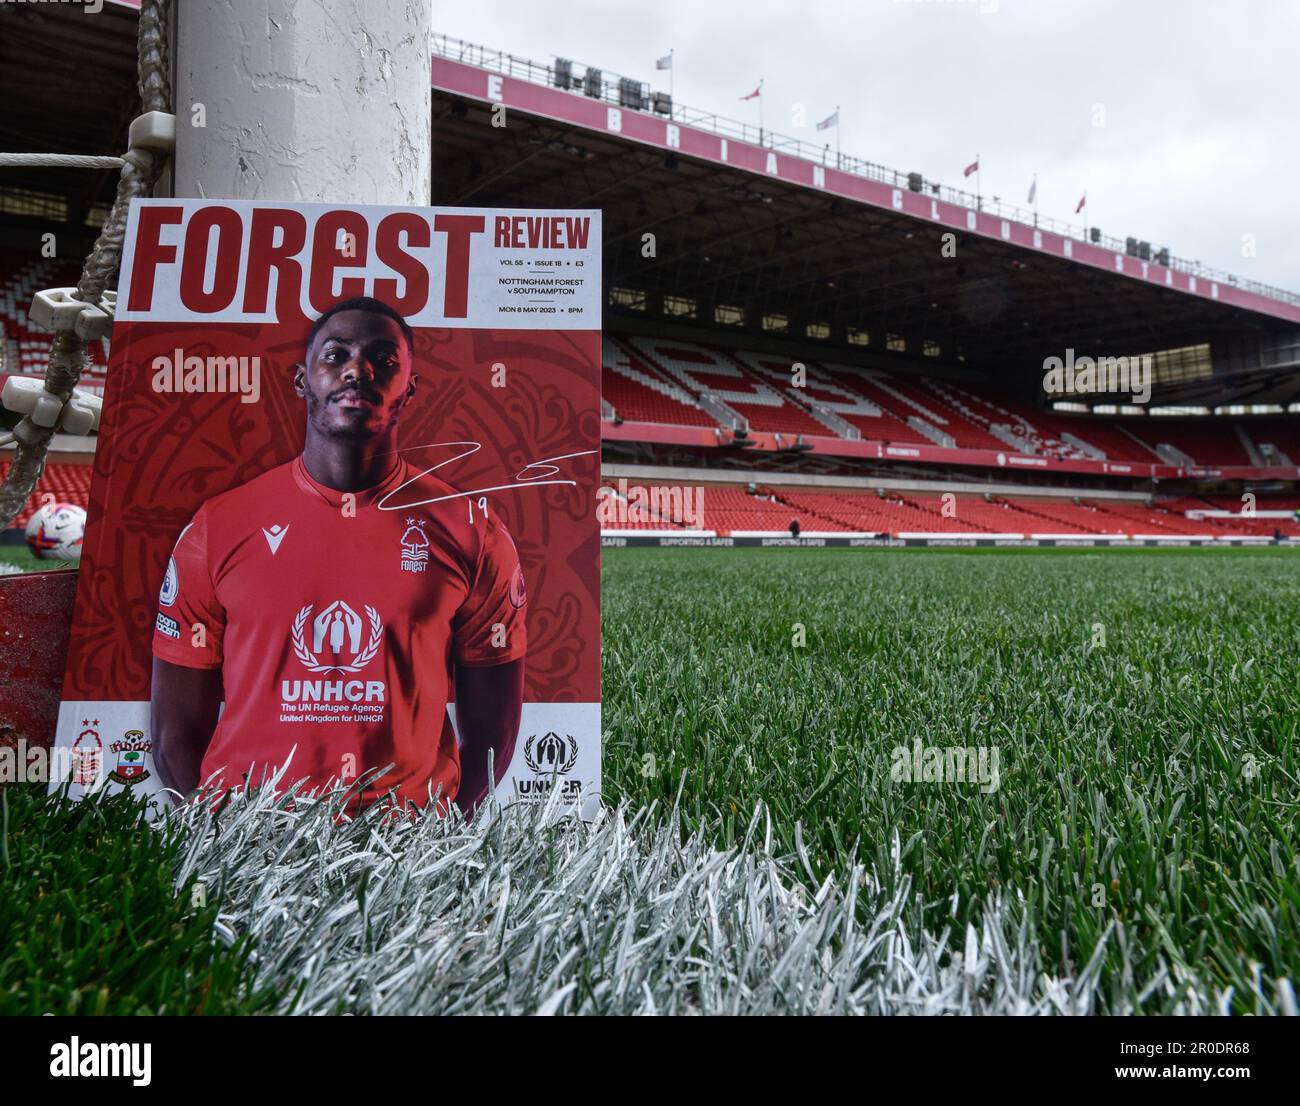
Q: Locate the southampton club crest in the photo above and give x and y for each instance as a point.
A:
(415, 547)
(130, 750)
(336, 642)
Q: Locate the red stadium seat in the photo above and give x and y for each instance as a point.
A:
(1207, 441)
(729, 508)
(25, 349)
(68, 483)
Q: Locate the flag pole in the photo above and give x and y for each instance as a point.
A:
(672, 74)
(837, 137)
(979, 187)
(760, 111)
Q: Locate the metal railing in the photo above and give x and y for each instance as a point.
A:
(613, 89)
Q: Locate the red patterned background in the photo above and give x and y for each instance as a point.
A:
(160, 455)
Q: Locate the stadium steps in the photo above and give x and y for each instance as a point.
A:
(777, 377)
(792, 416)
(1282, 434)
(1016, 433)
(885, 425)
(1205, 442)
(638, 394)
(1148, 454)
(689, 366)
(719, 379)
(965, 433)
(1252, 451)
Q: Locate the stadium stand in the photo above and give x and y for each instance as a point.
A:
(67, 482)
(727, 510)
(1134, 518)
(721, 376)
(771, 508)
(1205, 441)
(872, 375)
(952, 418)
(1044, 433)
(639, 393)
(24, 349)
(680, 383)
(1278, 440)
(867, 409)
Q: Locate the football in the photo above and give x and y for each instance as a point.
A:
(55, 532)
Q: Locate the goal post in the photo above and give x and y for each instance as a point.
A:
(327, 100)
(288, 100)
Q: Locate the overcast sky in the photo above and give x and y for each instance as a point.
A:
(1199, 100)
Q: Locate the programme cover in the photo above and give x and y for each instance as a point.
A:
(344, 505)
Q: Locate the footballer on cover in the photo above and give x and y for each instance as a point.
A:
(343, 511)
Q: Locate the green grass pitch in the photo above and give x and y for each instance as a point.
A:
(21, 558)
(1152, 779)
(1143, 704)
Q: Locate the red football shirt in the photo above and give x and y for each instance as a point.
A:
(336, 624)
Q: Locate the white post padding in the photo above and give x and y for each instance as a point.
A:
(304, 100)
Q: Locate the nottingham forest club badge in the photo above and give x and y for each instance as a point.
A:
(130, 751)
(415, 547)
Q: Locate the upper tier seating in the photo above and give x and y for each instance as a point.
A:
(25, 349)
(638, 392)
(662, 380)
(1206, 441)
(1282, 433)
(700, 369)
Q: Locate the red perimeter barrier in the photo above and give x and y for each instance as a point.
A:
(35, 616)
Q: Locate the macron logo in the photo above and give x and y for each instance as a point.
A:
(274, 536)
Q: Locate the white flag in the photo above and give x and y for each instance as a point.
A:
(832, 120)
(1033, 190)
(666, 62)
